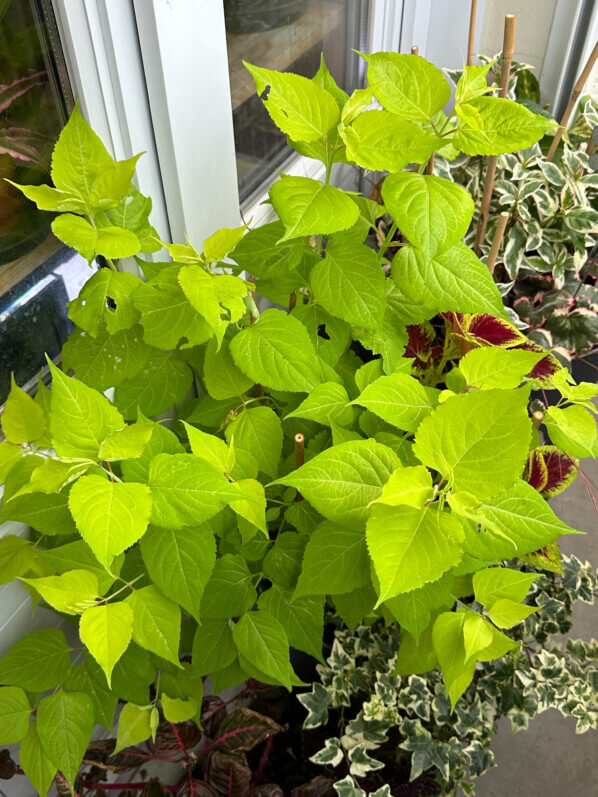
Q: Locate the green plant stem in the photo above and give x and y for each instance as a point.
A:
(386, 242)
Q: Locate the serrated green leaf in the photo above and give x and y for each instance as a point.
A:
(302, 619)
(20, 666)
(35, 763)
(78, 554)
(473, 83)
(308, 207)
(299, 107)
(478, 441)
(23, 420)
(506, 613)
(399, 399)
(251, 505)
(48, 514)
(223, 241)
(89, 241)
(573, 429)
(353, 606)
(411, 547)
(14, 714)
(230, 590)
(477, 634)
(380, 141)
(10, 454)
(258, 430)
(180, 562)
(326, 403)
(415, 609)
(89, 678)
(335, 561)
(455, 280)
(162, 381)
(216, 297)
(110, 516)
(276, 351)
(186, 490)
(156, 623)
(17, 556)
(221, 376)
(48, 198)
(449, 646)
(134, 726)
(65, 722)
(71, 593)
(431, 212)
(410, 87)
(81, 418)
(349, 283)
(127, 443)
(411, 485)
(162, 441)
(507, 127)
(500, 583)
(106, 631)
(263, 643)
(343, 480)
(213, 647)
(91, 307)
(210, 448)
(416, 655)
(489, 368)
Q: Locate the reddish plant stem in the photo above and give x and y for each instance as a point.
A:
(91, 784)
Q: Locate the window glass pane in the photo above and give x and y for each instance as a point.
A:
(283, 35)
(38, 275)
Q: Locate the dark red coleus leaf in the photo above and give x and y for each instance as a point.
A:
(471, 330)
(196, 788)
(536, 472)
(213, 712)
(546, 558)
(317, 787)
(155, 788)
(421, 337)
(549, 470)
(229, 773)
(243, 729)
(167, 743)
(266, 790)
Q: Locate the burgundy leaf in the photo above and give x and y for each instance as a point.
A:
(266, 790)
(10, 91)
(243, 729)
(229, 774)
(561, 470)
(536, 473)
(167, 744)
(7, 765)
(196, 788)
(213, 711)
(155, 788)
(317, 787)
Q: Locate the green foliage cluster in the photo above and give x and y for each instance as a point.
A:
(211, 547)
(545, 270)
(364, 695)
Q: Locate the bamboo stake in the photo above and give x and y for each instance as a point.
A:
(577, 89)
(299, 450)
(508, 49)
(497, 240)
(292, 301)
(472, 16)
(430, 165)
(415, 50)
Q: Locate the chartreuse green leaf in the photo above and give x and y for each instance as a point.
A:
(326, 403)
(308, 207)
(454, 280)
(71, 593)
(180, 562)
(106, 631)
(399, 399)
(230, 590)
(216, 297)
(431, 212)
(349, 283)
(110, 516)
(48, 514)
(478, 441)
(78, 555)
(506, 127)
(251, 504)
(48, 198)
(473, 83)
(416, 655)
(506, 613)
(20, 666)
(379, 140)
(88, 677)
(489, 368)
(163, 381)
(178, 710)
(54, 474)
(499, 583)
(221, 376)
(23, 420)
(91, 307)
(210, 448)
(282, 564)
(156, 622)
(276, 351)
(262, 642)
(411, 547)
(17, 556)
(14, 714)
(302, 618)
(65, 722)
(572, 429)
(258, 431)
(353, 606)
(410, 86)
(81, 418)
(34, 762)
(343, 480)
(167, 315)
(324, 79)
(134, 726)
(412, 486)
(186, 490)
(223, 241)
(335, 561)
(213, 647)
(518, 521)
(477, 634)
(449, 646)
(127, 443)
(89, 241)
(414, 609)
(299, 107)
(10, 453)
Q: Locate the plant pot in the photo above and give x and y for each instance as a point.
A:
(254, 16)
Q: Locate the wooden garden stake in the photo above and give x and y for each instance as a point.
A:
(577, 89)
(299, 450)
(415, 50)
(497, 240)
(430, 165)
(508, 48)
(472, 16)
